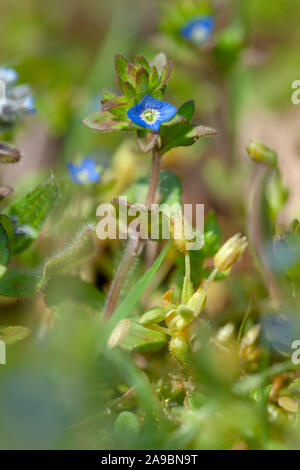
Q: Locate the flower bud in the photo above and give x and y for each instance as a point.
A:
(230, 252)
(181, 233)
(260, 153)
(180, 348)
(197, 302)
(153, 316)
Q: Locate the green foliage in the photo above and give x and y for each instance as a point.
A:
(21, 283)
(29, 212)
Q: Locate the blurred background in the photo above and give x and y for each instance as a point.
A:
(54, 391)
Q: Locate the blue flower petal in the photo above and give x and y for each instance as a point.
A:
(73, 170)
(198, 30)
(86, 166)
(167, 111)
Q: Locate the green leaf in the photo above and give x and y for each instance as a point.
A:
(170, 188)
(13, 334)
(165, 75)
(142, 82)
(63, 287)
(126, 425)
(29, 212)
(4, 251)
(9, 154)
(187, 110)
(25, 283)
(141, 61)
(125, 308)
(153, 78)
(121, 66)
(142, 339)
(183, 134)
(104, 122)
(129, 91)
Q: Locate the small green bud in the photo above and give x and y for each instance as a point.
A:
(180, 348)
(153, 316)
(260, 153)
(186, 312)
(197, 302)
(126, 424)
(230, 252)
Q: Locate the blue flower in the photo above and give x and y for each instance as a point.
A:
(85, 172)
(198, 30)
(28, 105)
(151, 112)
(8, 75)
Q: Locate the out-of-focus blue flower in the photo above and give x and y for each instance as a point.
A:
(16, 100)
(28, 105)
(8, 75)
(198, 30)
(279, 332)
(151, 112)
(85, 172)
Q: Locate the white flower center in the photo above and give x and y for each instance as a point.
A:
(199, 34)
(150, 116)
(83, 176)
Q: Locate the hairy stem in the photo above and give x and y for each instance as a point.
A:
(134, 245)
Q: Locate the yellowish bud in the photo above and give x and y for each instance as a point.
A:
(230, 252)
(260, 153)
(197, 302)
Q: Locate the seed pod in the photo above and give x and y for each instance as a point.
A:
(180, 348)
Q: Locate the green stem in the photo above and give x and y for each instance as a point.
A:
(134, 245)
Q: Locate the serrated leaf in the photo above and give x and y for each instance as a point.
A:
(121, 66)
(9, 154)
(104, 122)
(165, 75)
(142, 81)
(25, 283)
(187, 110)
(153, 78)
(29, 212)
(142, 62)
(183, 134)
(129, 90)
(13, 334)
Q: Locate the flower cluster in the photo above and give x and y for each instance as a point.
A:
(15, 100)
